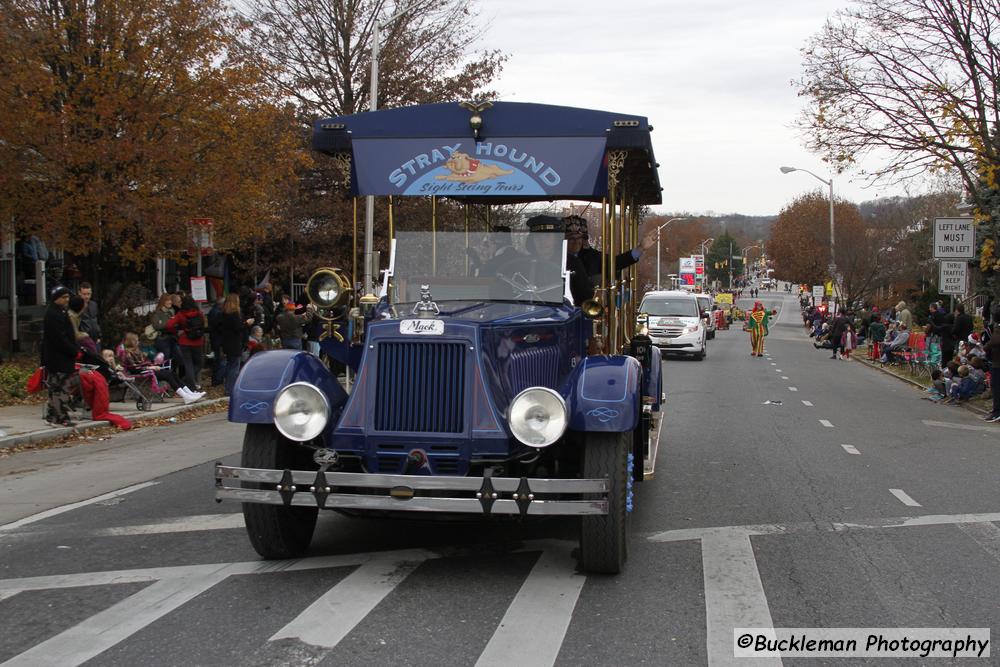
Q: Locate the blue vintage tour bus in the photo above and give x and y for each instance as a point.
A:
(474, 375)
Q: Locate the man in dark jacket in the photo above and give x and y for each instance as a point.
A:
(942, 323)
(89, 318)
(59, 351)
(214, 318)
(992, 348)
(963, 326)
(837, 332)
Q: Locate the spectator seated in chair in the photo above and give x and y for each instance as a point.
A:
(893, 349)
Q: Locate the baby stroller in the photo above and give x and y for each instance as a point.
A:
(140, 386)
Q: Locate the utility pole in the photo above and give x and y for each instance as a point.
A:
(730, 264)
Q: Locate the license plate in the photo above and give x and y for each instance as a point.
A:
(426, 327)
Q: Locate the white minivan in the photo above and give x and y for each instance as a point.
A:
(673, 319)
(705, 302)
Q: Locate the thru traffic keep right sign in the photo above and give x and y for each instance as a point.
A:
(953, 278)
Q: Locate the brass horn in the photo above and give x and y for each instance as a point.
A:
(329, 290)
(592, 308)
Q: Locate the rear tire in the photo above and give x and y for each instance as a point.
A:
(604, 538)
(276, 531)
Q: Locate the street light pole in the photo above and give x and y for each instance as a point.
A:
(369, 284)
(658, 248)
(833, 261)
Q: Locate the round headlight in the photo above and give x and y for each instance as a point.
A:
(327, 291)
(538, 417)
(301, 411)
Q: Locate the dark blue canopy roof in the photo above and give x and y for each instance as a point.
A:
(524, 152)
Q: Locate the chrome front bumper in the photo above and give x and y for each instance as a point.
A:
(414, 493)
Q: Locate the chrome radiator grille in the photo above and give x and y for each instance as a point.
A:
(420, 387)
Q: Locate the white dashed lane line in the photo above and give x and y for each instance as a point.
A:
(784, 377)
(826, 423)
(809, 404)
(851, 449)
(793, 389)
(904, 498)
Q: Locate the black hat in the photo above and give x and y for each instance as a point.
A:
(58, 292)
(545, 223)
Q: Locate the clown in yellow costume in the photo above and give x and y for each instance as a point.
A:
(756, 324)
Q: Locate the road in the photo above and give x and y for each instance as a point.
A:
(791, 491)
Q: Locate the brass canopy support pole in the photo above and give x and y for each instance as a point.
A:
(434, 241)
(616, 160)
(392, 224)
(354, 252)
(603, 298)
(466, 206)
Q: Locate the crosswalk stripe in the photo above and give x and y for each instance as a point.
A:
(734, 594)
(962, 427)
(986, 535)
(329, 619)
(105, 629)
(904, 498)
(532, 631)
(179, 525)
(55, 511)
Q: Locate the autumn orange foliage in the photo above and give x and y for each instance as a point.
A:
(123, 119)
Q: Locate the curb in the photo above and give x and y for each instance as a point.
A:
(56, 433)
(967, 406)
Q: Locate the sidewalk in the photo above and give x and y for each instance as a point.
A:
(24, 424)
(977, 405)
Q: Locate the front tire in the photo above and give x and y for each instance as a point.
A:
(604, 538)
(276, 531)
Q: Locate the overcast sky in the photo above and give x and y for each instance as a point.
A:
(712, 76)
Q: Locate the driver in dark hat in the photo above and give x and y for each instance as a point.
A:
(545, 242)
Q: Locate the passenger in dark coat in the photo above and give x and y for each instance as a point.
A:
(591, 257)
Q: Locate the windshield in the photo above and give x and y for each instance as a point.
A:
(498, 266)
(705, 302)
(665, 306)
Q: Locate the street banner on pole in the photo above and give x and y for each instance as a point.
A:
(953, 278)
(954, 238)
